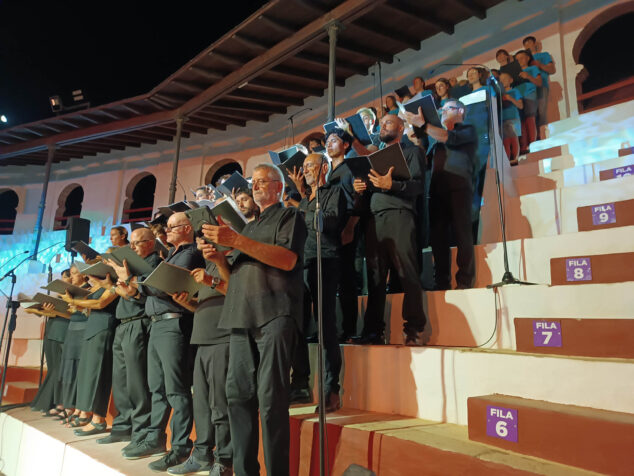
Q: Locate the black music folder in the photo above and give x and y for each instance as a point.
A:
(60, 287)
(391, 156)
(172, 279)
(358, 128)
(59, 304)
(513, 69)
(100, 270)
(137, 265)
(235, 182)
(84, 250)
(427, 104)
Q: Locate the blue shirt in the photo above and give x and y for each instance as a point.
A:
(510, 112)
(543, 58)
(527, 89)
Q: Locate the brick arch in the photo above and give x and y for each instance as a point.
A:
(69, 204)
(588, 31)
(226, 163)
(9, 201)
(137, 207)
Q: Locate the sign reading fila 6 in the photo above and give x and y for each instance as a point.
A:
(502, 423)
(578, 269)
(623, 171)
(547, 333)
(603, 214)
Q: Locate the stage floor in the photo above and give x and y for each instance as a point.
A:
(32, 445)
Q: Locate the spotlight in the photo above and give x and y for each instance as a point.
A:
(56, 103)
(78, 95)
(4, 119)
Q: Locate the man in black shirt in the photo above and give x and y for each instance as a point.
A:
(262, 309)
(169, 378)
(338, 143)
(333, 206)
(451, 192)
(211, 415)
(129, 354)
(392, 239)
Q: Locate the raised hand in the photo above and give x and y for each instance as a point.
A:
(222, 234)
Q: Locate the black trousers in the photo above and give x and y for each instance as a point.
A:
(450, 206)
(301, 364)
(71, 352)
(129, 379)
(348, 286)
(211, 414)
(49, 393)
(391, 243)
(169, 381)
(94, 375)
(258, 377)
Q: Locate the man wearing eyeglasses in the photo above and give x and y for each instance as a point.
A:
(263, 308)
(129, 354)
(451, 192)
(169, 375)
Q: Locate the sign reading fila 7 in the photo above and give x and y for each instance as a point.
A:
(546, 333)
(502, 423)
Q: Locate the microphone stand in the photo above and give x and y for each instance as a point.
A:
(290, 119)
(11, 317)
(318, 224)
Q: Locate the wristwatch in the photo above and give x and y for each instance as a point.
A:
(215, 281)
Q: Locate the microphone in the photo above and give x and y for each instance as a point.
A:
(14, 257)
(298, 112)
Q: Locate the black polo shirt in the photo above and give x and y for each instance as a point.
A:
(458, 154)
(157, 302)
(208, 313)
(135, 307)
(356, 205)
(333, 205)
(403, 194)
(259, 293)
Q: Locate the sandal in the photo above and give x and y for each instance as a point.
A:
(78, 421)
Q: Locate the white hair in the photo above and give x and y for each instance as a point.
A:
(273, 172)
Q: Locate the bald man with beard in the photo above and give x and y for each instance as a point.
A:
(169, 374)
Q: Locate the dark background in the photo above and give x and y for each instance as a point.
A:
(111, 50)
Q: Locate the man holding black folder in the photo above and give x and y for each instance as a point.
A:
(392, 239)
(169, 377)
(454, 162)
(262, 308)
(129, 354)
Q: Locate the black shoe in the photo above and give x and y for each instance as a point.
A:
(312, 339)
(300, 395)
(144, 449)
(169, 460)
(192, 465)
(369, 339)
(129, 446)
(97, 429)
(112, 438)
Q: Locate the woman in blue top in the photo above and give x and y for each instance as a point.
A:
(390, 105)
(528, 89)
(512, 104)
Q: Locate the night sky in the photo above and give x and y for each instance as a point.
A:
(111, 50)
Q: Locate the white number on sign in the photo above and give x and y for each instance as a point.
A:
(501, 429)
(578, 273)
(603, 217)
(548, 335)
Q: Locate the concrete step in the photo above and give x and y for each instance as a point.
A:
(599, 268)
(606, 215)
(592, 136)
(581, 337)
(484, 317)
(596, 440)
(397, 445)
(434, 383)
(617, 172)
(550, 179)
(528, 259)
(19, 392)
(552, 212)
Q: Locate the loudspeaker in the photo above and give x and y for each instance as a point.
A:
(77, 229)
(356, 470)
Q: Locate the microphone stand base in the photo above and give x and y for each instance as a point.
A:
(508, 278)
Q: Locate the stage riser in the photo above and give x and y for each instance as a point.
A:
(529, 260)
(619, 213)
(575, 269)
(467, 318)
(546, 153)
(580, 337)
(583, 437)
(552, 212)
(434, 383)
(568, 177)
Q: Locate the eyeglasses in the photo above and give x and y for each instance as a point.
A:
(170, 228)
(259, 182)
(137, 243)
(447, 108)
